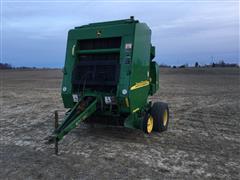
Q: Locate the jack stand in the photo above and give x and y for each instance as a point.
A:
(56, 126)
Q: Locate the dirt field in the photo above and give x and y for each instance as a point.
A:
(203, 139)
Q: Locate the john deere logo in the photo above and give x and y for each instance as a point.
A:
(99, 33)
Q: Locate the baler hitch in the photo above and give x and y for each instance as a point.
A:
(81, 111)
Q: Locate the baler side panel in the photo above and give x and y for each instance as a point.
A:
(157, 76)
(154, 77)
(125, 71)
(139, 82)
(67, 72)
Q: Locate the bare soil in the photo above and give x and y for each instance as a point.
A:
(202, 141)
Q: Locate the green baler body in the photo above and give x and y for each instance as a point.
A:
(136, 73)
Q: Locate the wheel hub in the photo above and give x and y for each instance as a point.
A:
(165, 118)
(150, 124)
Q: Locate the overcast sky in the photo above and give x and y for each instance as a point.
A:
(35, 33)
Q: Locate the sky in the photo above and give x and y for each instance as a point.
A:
(34, 33)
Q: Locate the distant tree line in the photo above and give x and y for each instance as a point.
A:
(5, 66)
(223, 64)
(197, 65)
(9, 66)
(217, 64)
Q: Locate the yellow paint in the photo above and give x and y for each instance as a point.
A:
(140, 85)
(127, 102)
(165, 118)
(150, 124)
(135, 110)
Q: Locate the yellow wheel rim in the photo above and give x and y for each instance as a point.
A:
(165, 117)
(150, 124)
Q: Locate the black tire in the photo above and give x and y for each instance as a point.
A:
(147, 123)
(159, 111)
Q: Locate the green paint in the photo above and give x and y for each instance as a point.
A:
(136, 65)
